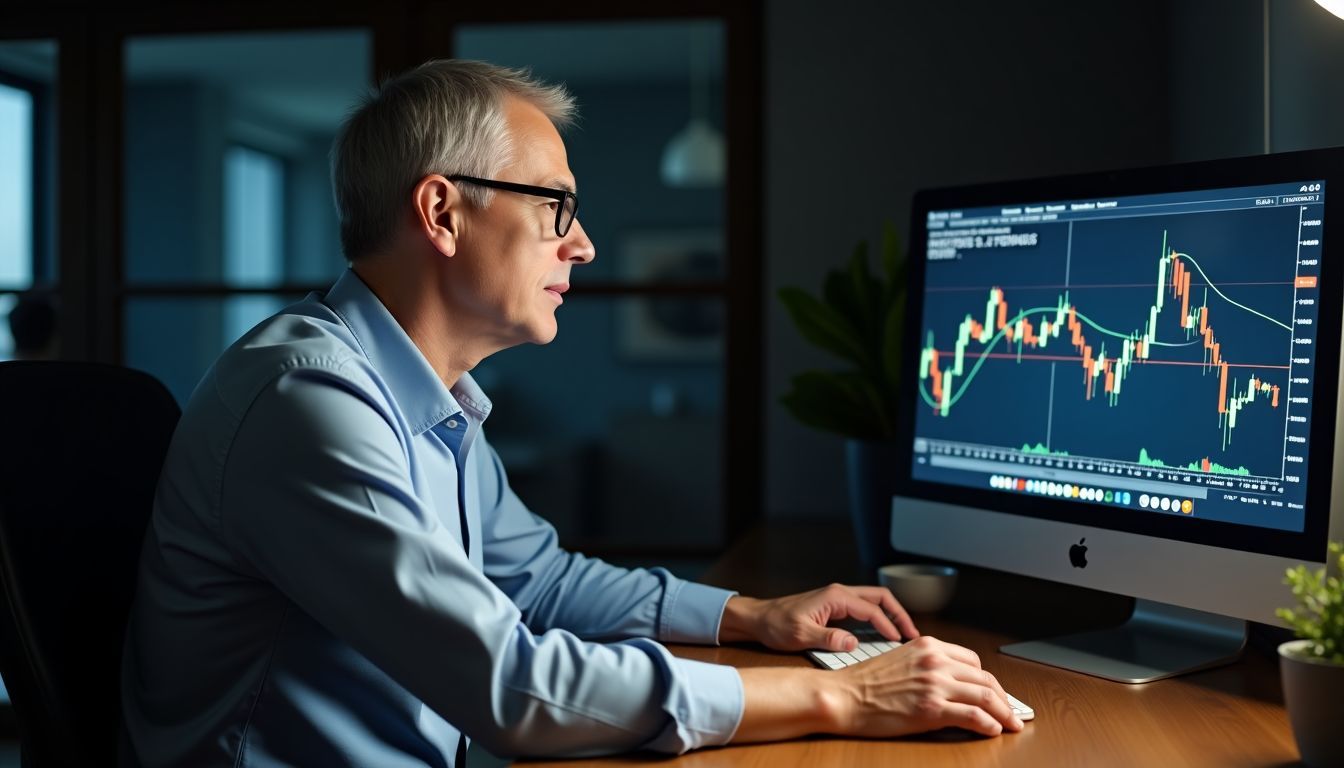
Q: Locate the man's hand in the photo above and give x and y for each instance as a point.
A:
(798, 622)
(924, 685)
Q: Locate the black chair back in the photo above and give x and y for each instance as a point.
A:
(81, 448)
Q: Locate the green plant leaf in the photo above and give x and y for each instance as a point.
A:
(838, 292)
(822, 325)
(867, 293)
(859, 318)
(1318, 616)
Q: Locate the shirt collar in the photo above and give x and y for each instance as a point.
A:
(417, 389)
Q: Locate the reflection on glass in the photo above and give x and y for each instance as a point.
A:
(253, 238)
(210, 115)
(613, 437)
(674, 329)
(253, 186)
(614, 431)
(634, 82)
(177, 339)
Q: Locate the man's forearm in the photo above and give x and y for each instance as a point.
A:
(783, 703)
(740, 615)
(778, 703)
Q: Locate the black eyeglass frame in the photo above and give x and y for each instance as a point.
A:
(568, 200)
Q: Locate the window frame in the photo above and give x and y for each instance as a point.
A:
(741, 286)
(89, 260)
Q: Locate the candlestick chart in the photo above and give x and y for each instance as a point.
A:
(1159, 341)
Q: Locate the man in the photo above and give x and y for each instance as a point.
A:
(337, 573)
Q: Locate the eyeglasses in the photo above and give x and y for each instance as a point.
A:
(564, 213)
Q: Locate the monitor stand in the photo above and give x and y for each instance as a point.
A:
(1158, 640)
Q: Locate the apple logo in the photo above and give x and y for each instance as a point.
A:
(1078, 554)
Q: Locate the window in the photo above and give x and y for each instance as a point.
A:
(630, 459)
(27, 166)
(16, 187)
(253, 238)
(227, 212)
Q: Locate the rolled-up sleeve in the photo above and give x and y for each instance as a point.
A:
(341, 531)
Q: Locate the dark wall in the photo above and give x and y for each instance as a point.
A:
(1306, 76)
(885, 100)
(868, 102)
(1216, 99)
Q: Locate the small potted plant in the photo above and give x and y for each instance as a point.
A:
(858, 318)
(1313, 665)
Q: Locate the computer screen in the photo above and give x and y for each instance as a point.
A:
(1158, 349)
(1148, 357)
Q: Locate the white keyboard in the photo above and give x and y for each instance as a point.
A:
(872, 644)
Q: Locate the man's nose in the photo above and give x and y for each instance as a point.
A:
(576, 246)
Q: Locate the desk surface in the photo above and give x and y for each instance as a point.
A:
(1230, 716)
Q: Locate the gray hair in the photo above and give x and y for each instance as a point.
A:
(444, 116)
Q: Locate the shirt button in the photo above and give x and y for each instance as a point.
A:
(452, 423)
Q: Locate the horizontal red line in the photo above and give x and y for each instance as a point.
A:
(1066, 359)
(1148, 285)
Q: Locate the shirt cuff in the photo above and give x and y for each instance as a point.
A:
(692, 613)
(706, 706)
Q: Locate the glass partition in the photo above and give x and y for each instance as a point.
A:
(614, 431)
(28, 279)
(227, 191)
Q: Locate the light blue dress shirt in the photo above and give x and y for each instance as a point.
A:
(307, 594)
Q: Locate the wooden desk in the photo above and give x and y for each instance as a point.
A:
(1232, 716)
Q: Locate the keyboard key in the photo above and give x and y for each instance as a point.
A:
(830, 661)
(859, 653)
(846, 659)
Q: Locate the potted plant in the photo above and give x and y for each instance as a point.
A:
(1313, 665)
(858, 318)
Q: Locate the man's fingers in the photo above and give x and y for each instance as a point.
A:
(871, 594)
(971, 718)
(985, 698)
(964, 666)
(969, 674)
(838, 640)
(865, 611)
(898, 614)
(883, 597)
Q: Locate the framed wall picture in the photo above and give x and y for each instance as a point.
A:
(672, 327)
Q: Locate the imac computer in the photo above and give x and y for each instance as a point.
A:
(1128, 381)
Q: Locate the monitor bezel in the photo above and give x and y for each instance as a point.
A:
(1326, 165)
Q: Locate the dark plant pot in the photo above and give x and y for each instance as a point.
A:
(1313, 691)
(872, 469)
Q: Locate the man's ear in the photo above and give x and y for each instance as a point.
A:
(438, 209)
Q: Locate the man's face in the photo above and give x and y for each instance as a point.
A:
(513, 268)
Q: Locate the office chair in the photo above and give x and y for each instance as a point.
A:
(81, 446)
